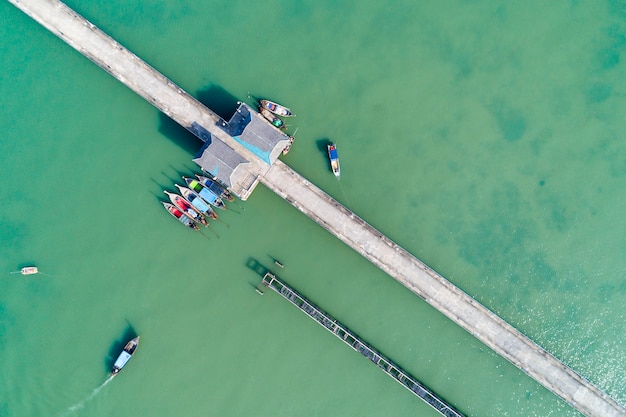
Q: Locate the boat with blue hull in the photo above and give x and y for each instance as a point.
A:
(216, 187)
(196, 201)
(207, 195)
(125, 355)
(189, 210)
(333, 156)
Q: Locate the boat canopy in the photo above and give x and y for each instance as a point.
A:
(121, 360)
(333, 153)
(212, 185)
(207, 195)
(199, 204)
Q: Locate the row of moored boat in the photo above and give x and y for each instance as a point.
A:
(272, 110)
(197, 200)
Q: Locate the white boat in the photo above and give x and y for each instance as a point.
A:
(276, 108)
(125, 356)
(29, 270)
(334, 159)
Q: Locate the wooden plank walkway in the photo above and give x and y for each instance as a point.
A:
(359, 345)
(330, 214)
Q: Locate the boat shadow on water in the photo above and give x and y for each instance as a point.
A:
(322, 147)
(117, 346)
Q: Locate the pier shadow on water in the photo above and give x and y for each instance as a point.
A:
(257, 267)
(179, 135)
(219, 100)
(215, 98)
(260, 269)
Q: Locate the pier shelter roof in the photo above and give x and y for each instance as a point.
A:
(220, 160)
(251, 129)
(248, 128)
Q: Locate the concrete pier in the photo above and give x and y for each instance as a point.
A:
(306, 197)
(440, 293)
(150, 84)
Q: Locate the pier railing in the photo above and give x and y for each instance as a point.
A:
(355, 342)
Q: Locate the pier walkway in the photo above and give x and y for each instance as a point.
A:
(330, 214)
(440, 293)
(355, 342)
(244, 161)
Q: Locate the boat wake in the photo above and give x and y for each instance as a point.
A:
(344, 195)
(80, 405)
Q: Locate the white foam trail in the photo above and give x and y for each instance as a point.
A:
(80, 405)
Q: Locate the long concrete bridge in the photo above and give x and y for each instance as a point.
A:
(330, 214)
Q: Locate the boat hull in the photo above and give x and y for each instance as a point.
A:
(125, 355)
(215, 187)
(195, 200)
(333, 156)
(187, 208)
(276, 108)
(207, 195)
(178, 215)
(270, 117)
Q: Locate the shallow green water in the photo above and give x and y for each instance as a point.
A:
(485, 138)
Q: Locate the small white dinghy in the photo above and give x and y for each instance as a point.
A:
(29, 270)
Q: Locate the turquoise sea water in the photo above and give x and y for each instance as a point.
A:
(487, 139)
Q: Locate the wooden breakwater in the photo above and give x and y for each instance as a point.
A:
(358, 344)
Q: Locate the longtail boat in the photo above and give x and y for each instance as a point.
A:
(125, 355)
(189, 210)
(174, 211)
(276, 108)
(206, 194)
(334, 159)
(273, 119)
(216, 187)
(195, 200)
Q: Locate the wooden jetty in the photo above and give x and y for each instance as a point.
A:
(249, 164)
(356, 343)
